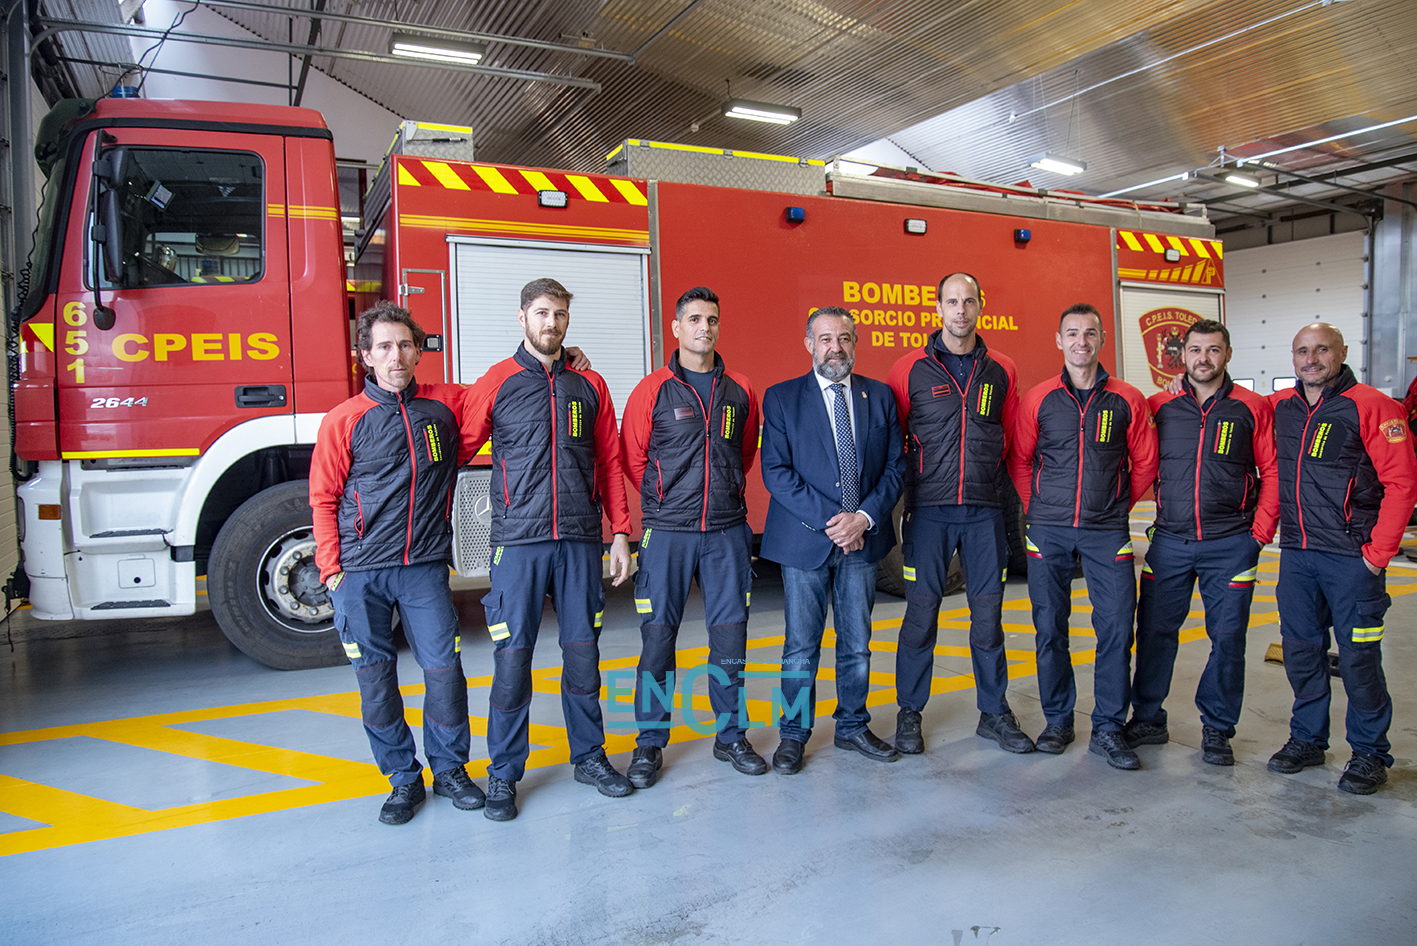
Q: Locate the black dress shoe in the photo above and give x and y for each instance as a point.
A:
(402, 802)
(456, 785)
(787, 760)
(1054, 739)
(644, 766)
(742, 756)
(908, 738)
(870, 745)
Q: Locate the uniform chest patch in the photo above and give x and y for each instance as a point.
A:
(683, 413)
(730, 422)
(1320, 441)
(576, 419)
(1224, 436)
(433, 443)
(1394, 430)
(1104, 426)
(940, 390)
(986, 399)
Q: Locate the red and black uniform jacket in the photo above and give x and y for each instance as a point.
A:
(688, 459)
(1083, 463)
(955, 441)
(1218, 475)
(555, 450)
(1347, 474)
(382, 477)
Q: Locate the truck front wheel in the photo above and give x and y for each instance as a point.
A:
(264, 586)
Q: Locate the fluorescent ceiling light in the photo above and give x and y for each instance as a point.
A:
(761, 112)
(855, 167)
(436, 50)
(1241, 180)
(1183, 176)
(1058, 164)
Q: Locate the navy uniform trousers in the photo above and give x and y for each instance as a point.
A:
(1309, 583)
(1226, 570)
(1112, 591)
(522, 576)
(364, 603)
(929, 537)
(668, 562)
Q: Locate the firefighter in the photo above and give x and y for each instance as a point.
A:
(1084, 450)
(957, 401)
(381, 477)
(556, 466)
(690, 435)
(1347, 484)
(1217, 502)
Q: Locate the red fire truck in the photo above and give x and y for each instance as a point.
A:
(188, 323)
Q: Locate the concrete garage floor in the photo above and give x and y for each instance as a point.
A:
(158, 787)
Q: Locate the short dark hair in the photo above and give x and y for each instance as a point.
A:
(940, 289)
(1206, 327)
(544, 287)
(697, 294)
(829, 311)
(385, 311)
(1080, 308)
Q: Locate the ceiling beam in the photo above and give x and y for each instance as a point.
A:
(1314, 180)
(470, 36)
(53, 25)
(1275, 192)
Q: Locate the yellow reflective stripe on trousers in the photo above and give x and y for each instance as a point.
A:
(1367, 635)
(351, 651)
(1247, 576)
(909, 573)
(598, 616)
(748, 599)
(643, 606)
(1028, 544)
(499, 631)
(457, 643)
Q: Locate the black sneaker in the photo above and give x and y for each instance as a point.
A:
(742, 756)
(598, 771)
(1363, 774)
(1113, 746)
(456, 785)
(908, 738)
(1215, 747)
(402, 802)
(1296, 756)
(644, 766)
(501, 799)
(1139, 733)
(1054, 739)
(1003, 729)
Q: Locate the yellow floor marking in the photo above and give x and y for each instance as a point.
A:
(72, 818)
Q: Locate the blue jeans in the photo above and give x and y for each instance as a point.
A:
(849, 581)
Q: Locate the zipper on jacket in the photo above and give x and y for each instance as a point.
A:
(506, 491)
(359, 515)
(1082, 440)
(555, 482)
(413, 480)
(1200, 452)
(963, 426)
(1299, 470)
(659, 480)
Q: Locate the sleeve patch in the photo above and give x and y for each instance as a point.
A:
(1394, 430)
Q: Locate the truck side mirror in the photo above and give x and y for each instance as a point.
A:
(107, 230)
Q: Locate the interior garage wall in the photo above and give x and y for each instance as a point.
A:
(1273, 291)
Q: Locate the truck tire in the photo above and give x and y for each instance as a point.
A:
(264, 586)
(890, 571)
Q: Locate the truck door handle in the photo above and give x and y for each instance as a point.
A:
(260, 395)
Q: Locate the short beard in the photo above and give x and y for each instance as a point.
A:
(535, 342)
(834, 370)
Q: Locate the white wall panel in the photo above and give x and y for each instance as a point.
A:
(1273, 291)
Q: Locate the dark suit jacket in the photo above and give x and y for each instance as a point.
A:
(800, 469)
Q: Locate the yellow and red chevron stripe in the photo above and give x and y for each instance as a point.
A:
(500, 179)
(525, 228)
(1140, 241)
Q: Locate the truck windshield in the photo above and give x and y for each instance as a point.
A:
(189, 218)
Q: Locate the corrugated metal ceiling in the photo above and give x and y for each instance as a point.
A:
(1162, 85)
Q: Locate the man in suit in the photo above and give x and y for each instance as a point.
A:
(831, 458)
